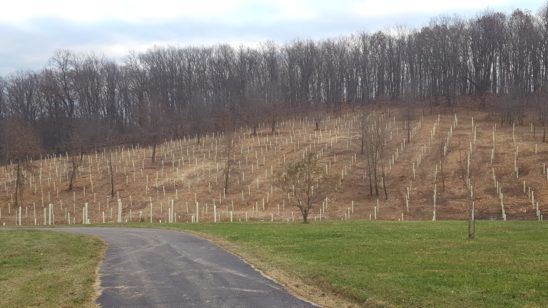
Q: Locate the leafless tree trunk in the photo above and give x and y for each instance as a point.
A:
(19, 144)
(471, 222)
(305, 181)
(111, 174)
(363, 131)
(384, 185)
(273, 122)
(408, 119)
(154, 152)
(373, 142)
(229, 161)
(75, 163)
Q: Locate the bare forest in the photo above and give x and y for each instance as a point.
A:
(81, 103)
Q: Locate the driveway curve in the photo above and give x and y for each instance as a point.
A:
(162, 268)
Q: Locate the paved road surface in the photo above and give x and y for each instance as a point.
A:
(161, 268)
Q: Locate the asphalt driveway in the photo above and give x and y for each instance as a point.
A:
(162, 268)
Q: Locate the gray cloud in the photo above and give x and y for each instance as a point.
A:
(29, 47)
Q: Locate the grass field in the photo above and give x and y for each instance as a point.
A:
(47, 269)
(410, 264)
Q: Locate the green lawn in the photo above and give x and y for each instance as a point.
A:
(409, 264)
(47, 269)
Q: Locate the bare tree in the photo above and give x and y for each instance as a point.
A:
(19, 145)
(510, 108)
(305, 182)
(365, 139)
(74, 147)
(373, 141)
(442, 173)
(111, 173)
(154, 129)
(229, 157)
(409, 114)
(271, 71)
(363, 131)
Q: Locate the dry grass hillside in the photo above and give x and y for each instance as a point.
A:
(189, 176)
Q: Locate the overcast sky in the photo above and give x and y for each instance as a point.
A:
(31, 30)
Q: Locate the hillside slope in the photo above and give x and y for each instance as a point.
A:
(189, 175)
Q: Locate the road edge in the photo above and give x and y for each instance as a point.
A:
(294, 285)
(97, 289)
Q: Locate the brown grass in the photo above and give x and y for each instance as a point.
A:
(187, 170)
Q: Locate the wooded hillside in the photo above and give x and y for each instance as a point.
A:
(82, 102)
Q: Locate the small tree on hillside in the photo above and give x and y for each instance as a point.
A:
(75, 148)
(229, 157)
(19, 144)
(373, 141)
(408, 119)
(154, 130)
(111, 173)
(442, 173)
(317, 122)
(111, 169)
(302, 180)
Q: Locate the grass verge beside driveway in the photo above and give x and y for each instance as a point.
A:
(48, 269)
(407, 264)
